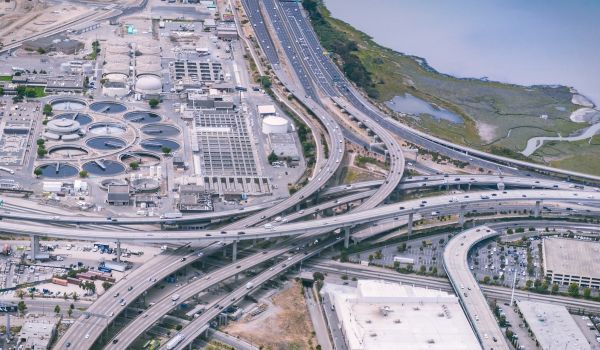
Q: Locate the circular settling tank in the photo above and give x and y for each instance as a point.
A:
(163, 130)
(145, 185)
(67, 151)
(107, 129)
(105, 183)
(156, 145)
(108, 107)
(143, 158)
(106, 143)
(58, 170)
(67, 104)
(142, 117)
(103, 167)
(81, 118)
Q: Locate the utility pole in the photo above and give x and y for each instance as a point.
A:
(512, 294)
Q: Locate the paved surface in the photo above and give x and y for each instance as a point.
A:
(418, 206)
(318, 322)
(466, 287)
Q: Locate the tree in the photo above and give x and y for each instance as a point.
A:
(573, 290)
(75, 296)
(134, 165)
(20, 294)
(401, 248)
(153, 103)
(272, 157)
(41, 151)
(57, 309)
(41, 50)
(83, 173)
(486, 279)
(265, 81)
(40, 142)
(70, 312)
(166, 150)
(587, 293)
(22, 307)
(47, 109)
(65, 296)
(318, 276)
(422, 269)
(554, 288)
(106, 285)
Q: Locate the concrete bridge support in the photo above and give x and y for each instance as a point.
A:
(118, 251)
(346, 237)
(461, 216)
(537, 212)
(35, 246)
(409, 225)
(234, 251)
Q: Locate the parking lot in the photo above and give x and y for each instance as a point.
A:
(412, 255)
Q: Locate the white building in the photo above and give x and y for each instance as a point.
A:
(553, 326)
(569, 261)
(379, 315)
(266, 110)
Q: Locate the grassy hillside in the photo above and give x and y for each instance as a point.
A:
(498, 117)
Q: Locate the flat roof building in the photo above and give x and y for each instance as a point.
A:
(37, 334)
(553, 326)
(388, 316)
(118, 195)
(569, 261)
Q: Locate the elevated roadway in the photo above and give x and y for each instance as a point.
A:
(458, 202)
(466, 287)
(89, 327)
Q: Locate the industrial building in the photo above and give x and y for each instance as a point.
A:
(118, 195)
(552, 326)
(56, 43)
(388, 316)
(285, 147)
(569, 261)
(266, 110)
(37, 334)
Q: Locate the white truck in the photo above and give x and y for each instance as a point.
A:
(172, 344)
(249, 285)
(174, 297)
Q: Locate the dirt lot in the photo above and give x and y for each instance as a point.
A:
(284, 325)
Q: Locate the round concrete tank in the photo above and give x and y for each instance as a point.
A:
(274, 125)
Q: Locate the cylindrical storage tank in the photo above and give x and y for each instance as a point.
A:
(274, 125)
(148, 85)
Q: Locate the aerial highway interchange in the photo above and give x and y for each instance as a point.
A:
(322, 215)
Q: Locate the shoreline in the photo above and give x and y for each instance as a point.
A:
(424, 63)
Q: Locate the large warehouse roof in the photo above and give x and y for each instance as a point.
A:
(571, 257)
(388, 316)
(553, 326)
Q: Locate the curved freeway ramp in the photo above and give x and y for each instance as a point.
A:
(466, 287)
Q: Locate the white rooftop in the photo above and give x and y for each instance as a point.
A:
(382, 315)
(572, 257)
(553, 326)
(266, 109)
